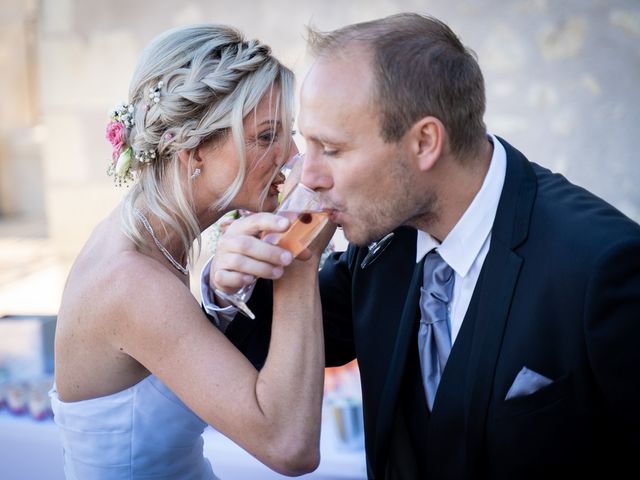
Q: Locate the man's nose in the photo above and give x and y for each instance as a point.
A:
(315, 173)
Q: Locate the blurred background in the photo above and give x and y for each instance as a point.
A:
(561, 77)
(562, 80)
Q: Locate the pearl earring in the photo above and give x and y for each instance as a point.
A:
(196, 174)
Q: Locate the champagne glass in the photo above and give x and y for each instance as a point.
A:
(303, 208)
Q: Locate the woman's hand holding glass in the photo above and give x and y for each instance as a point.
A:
(263, 244)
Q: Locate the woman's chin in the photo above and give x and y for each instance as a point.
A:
(270, 204)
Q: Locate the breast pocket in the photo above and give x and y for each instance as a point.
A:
(547, 398)
(544, 429)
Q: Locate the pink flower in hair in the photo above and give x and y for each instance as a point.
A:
(116, 133)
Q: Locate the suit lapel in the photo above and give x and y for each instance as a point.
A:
(500, 275)
(396, 368)
(502, 270)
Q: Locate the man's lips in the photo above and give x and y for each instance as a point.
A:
(334, 215)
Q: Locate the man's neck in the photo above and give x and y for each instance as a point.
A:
(461, 180)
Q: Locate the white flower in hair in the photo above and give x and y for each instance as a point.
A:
(123, 163)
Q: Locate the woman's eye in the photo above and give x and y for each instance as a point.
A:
(268, 136)
(329, 152)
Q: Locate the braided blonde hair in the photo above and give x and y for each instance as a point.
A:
(211, 80)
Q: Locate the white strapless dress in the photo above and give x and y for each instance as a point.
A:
(143, 432)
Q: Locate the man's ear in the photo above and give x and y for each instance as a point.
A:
(427, 139)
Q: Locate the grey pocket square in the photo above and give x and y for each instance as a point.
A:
(527, 382)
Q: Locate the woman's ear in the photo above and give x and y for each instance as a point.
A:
(427, 140)
(191, 158)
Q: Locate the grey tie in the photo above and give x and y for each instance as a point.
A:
(434, 336)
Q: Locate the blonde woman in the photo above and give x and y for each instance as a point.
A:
(140, 369)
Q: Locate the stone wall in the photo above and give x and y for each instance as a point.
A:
(21, 180)
(561, 81)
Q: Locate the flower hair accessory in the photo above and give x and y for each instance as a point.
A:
(154, 92)
(146, 156)
(123, 113)
(121, 153)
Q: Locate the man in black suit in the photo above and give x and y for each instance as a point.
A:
(543, 302)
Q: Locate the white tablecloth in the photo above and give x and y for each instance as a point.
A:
(30, 450)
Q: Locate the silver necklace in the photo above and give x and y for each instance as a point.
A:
(165, 252)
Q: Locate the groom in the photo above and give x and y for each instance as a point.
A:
(497, 331)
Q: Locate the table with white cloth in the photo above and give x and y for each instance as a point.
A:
(31, 450)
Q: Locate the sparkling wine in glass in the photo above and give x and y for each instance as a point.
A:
(303, 208)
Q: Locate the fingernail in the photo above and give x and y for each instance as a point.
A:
(283, 222)
(286, 258)
(277, 272)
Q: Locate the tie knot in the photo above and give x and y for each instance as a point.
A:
(438, 277)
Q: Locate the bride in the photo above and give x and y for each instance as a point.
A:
(140, 370)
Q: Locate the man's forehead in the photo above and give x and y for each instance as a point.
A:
(335, 98)
(337, 80)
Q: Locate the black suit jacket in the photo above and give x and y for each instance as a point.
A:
(559, 293)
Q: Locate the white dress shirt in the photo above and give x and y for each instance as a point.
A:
(464, 249)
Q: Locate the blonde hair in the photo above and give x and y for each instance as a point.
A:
(211, 80)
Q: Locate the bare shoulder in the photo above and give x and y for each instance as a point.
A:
(141, 288)
(154, 306)
(115, 283)
(114, 307)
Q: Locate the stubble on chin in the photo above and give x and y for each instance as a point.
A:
(362, 236)
(354, 234)
(357, 240)
(392, 217)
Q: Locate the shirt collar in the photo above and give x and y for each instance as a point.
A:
(463, 244)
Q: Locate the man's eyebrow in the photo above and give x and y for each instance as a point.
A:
(324, 139)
